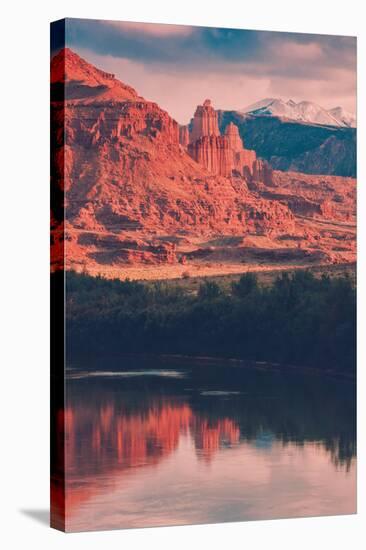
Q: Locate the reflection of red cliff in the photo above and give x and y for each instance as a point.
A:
(57, 493)
(104, 440)
(209, 438)
(137, 439)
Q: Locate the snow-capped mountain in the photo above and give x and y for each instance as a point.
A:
(343, 116)
(304, 111)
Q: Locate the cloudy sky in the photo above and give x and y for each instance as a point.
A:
(180, 66)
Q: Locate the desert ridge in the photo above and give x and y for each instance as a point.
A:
(143, 193)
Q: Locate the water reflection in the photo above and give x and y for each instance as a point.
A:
(147, 451)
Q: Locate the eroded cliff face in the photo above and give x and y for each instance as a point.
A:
(184, 136)
(235, 142)
(212, 152)
(262, 173)
(137, 193)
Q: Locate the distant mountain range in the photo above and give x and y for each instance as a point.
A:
(304, 111)
(296, 145)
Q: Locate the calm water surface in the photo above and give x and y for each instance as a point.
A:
(151, 444)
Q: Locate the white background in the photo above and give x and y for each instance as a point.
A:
(24, 304)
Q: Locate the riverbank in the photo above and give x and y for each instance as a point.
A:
(299, 319)
(200, 270)
(146, 361)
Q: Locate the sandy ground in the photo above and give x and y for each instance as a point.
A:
(162, 272)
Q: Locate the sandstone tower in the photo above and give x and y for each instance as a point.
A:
(224, 155)
(205, 122)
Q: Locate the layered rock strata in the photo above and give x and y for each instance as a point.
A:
(136, 192)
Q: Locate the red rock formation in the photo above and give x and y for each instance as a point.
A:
(83, 82)
(235, 141)
(206, 145)
(222, 155)
(214, 153)
(243, 159)
(118, 165)
(262, 172)
(184, 136)
(204, 122)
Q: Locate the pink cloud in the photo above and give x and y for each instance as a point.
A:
(300, 52)
(154, 29)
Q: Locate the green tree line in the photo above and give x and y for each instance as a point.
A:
(298, 320)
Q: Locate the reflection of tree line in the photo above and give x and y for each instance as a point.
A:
(108, 432)
(294, 408)
(108, 439)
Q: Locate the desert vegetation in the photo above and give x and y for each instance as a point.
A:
(299, 319)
